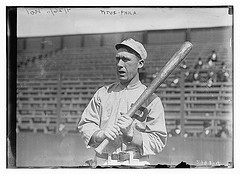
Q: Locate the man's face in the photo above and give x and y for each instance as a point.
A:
(127, 65)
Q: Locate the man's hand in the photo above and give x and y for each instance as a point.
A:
(125, 125)
(111, 132)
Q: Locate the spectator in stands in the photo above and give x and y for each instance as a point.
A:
(212, 59)
(175, 82)
(223, 132)
(209, 64)
(206, 130)
(211, 78)
(213, 56)
(208, 75)
(188, 134)
(196, 77)
(189, 76)
(188, 73)
(177, 130)
(183, 65)
(199, 64)
(131, 141)
(222, 74)
(196, 72)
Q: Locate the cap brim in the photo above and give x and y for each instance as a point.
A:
(117, 46)
(120, 45)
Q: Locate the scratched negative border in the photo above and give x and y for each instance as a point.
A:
(43, 111)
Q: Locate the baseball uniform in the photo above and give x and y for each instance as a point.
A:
(111, 100)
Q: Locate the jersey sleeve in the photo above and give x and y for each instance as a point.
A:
(90, 119)
(155, 134)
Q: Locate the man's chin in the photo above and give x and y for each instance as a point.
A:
(123, 80)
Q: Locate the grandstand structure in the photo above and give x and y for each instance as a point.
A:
(57, 76)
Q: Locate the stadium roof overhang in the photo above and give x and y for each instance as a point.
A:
(34, 22)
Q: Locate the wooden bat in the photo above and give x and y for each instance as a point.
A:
(161, 76)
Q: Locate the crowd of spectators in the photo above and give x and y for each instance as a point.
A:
(224, 130)
(209, 71)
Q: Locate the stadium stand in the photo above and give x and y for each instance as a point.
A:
(56, 78)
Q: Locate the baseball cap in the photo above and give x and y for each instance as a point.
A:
(134, 45)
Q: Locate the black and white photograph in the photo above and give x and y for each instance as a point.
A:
(123, 87)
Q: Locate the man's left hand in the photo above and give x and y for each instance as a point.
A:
(125, 124)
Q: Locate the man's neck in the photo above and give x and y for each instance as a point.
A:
(132, 82)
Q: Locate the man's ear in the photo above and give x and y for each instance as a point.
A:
(140, 63)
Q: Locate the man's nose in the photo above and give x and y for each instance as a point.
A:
(120, 63)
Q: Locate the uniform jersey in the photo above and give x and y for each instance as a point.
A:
(105, 108)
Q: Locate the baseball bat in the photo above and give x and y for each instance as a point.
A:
(159, 79)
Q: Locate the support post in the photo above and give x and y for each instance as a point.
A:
(59, 101)
(182, 87)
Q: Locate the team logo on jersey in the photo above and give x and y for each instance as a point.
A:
(142, 114)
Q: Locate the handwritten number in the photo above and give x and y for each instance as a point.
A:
(27, 10)
(52, 12)
(68, 9)
(38, 10)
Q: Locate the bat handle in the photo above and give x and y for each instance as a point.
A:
(105, 142)
(100, 148)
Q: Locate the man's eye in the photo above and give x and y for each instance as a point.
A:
(124, 59)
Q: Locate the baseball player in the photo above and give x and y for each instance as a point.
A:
(132, 140)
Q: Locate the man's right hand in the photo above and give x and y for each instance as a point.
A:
(110, 132)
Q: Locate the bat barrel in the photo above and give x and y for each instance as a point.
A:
(161, 76)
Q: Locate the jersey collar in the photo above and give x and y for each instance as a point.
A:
(131, 86)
